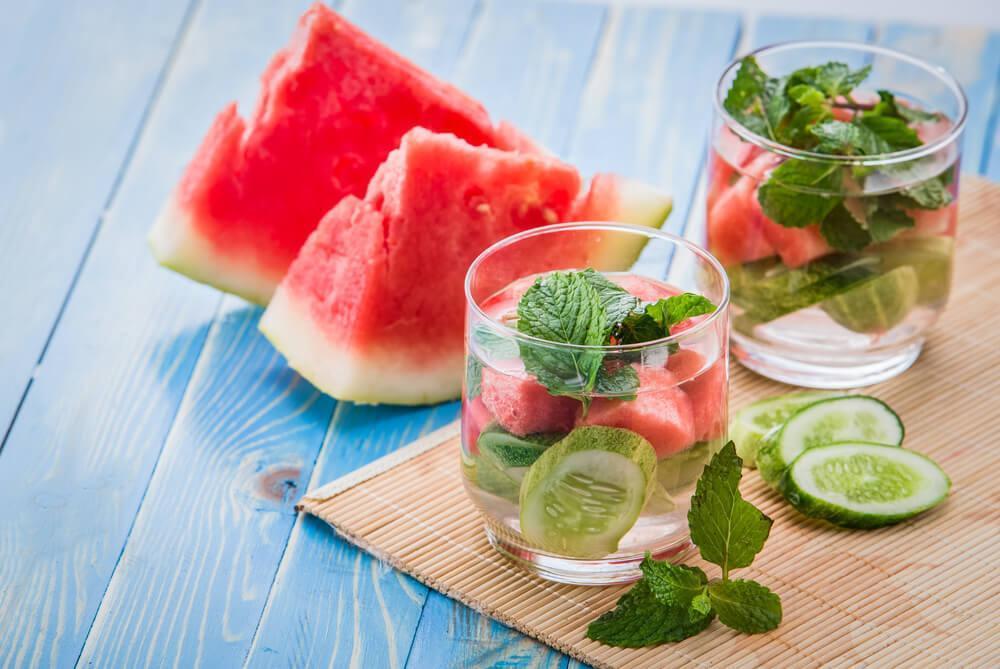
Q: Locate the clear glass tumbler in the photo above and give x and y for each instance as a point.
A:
(576, 481)
(840, 293)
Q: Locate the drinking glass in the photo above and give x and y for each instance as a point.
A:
(803, 312)
(577, 483)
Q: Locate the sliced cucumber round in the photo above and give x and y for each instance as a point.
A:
(507, 450)
(681, 470)
(858, 484)
(877, 305)
(496, 481)
(846, 418)
(752, 422)
(582, 495)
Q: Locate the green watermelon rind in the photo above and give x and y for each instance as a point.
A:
(638, 204)
(368, 377)
(176, 245)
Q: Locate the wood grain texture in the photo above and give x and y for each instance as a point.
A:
(79, 457)
(332, 605)
(191, 583)
(527, 61)
(77, 84)
(648, 103)
(972, 56)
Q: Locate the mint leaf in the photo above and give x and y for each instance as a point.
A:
(473, 377)
(672, 310)
(848, 139)
(673, 584)
(929, 194)
(496, 345)
(843, 232)
(884, 223)
(887, 106)
(834, 79)
(616, 301)
(617, 380)
(640, 619)
(746, 606)
(893, 131)
(701, 605)
(562, 308)
(795, 194)
(755, 99)
(728, 530)
(656, 318)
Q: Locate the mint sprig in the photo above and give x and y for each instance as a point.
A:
(673, 602)
(804, 110)
(588, 309)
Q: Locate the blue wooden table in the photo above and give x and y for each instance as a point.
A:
(153, 443)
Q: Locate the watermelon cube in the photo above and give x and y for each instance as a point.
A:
(661, 412)
(523, 406)
(475, 418)
(706, 387)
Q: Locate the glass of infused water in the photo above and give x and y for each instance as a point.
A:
(595, 393)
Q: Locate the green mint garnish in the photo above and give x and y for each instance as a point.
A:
(587, 308)
(799, 111)
(673, 602)
(655, 319)
(746, 606)
(563, 308)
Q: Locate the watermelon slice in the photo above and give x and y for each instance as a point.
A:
(705, 387)
(661, 412)
(373, 308)
(333, 104)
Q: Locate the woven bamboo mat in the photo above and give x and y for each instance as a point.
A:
(922, 594)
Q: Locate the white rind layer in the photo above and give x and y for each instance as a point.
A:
(176, 245)
(366, 376)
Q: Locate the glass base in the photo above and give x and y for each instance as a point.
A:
(824, 371)
(574, 571)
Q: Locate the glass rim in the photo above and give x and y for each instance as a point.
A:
(891, 158)
(651, 233)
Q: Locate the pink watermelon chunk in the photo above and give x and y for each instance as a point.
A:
(523, 406)
(373, 308)
(333, 104)
(735, 225)
(661, 412)
(706, 388)
(475, 417)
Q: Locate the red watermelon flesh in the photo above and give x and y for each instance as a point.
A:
(333, 104)
(523, 406)
(705, 387)
(661, 412)
(475, 418)
(735, 225)
(373, 307)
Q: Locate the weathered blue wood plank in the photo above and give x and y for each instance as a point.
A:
(771, 29)
(80, 455)
(331, 604)
(191, 583)
(972, 55)
(527, 61)
(647, 107)
(456, 637)
(77, 82)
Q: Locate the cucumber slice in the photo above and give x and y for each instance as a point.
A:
(931, 257)
(496, 481)
(586, 492)
(681, 470)
(752, 422)
(847, 418)
(857, 484)
(506, 450)
(877, 305)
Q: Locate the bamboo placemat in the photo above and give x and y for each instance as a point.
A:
(922, 594)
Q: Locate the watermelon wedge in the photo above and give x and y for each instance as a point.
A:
(333, 104)
(372, 310)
